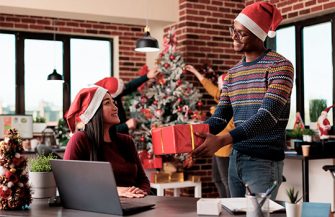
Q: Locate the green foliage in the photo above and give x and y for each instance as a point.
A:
(41, 163)
(309, 132)
(296, 133)
(62, 132)
(316, 106)
(39, 120)
(293, 195)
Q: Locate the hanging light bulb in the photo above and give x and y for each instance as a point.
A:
(54, 76)
(147, 43)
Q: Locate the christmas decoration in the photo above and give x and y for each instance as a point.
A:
(167, 101)
(14, 188)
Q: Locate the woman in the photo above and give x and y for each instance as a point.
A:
(95, 108)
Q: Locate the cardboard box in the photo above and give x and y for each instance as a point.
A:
(154, 163)
(178, 138)
(177, 177)
(159, 177)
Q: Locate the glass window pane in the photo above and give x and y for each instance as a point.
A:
(7, 74)
(318, 67)
(90, 62)
(285, 45)
(43, 98)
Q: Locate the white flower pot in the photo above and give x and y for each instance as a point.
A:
(307, 138)
(43, 184)
(293, 209)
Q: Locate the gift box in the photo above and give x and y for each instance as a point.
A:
(194, 178)
(177, 177)
(154, 163)
(159, 177)
(178, 138)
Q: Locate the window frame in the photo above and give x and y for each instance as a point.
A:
(20, 37)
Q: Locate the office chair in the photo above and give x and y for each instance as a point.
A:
(42, 149)
(330, 168)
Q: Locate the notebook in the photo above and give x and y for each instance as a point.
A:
(91, 186)
(238, 205)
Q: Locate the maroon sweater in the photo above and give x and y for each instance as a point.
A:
(128, 170)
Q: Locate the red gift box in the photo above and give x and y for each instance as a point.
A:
(178, 138)
(155, 163)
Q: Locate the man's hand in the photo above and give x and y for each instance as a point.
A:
(211, 144)
(153, 72)
(131, 123)
(131, 192)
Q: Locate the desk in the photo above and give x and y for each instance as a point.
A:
(176, 187)
(165, 206)
(305, 170)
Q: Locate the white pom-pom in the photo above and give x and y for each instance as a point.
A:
(4, 188)
(17, 155)
(2, 171)
(271, 34)
(20, 184)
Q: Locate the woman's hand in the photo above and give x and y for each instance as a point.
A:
(194, 71)
(153, 72)
(131, 192)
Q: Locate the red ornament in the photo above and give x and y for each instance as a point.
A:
(166, 65)
(144, 99)
(155, 102)
(142, 139)
(184, 71)
(200, 104)
(172, 57)
(179, 99)
(179, 82)
(179, 109)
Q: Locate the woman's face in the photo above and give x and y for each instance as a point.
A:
(109, 111)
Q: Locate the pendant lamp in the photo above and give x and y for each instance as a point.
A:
(54, 76)
(147, 43)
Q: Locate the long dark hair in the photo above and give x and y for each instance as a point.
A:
(94, 130)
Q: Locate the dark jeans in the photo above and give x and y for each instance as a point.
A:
(220, 175)
(259, 174)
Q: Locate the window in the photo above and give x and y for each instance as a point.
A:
(43, 98)
(27, 60)
(7, 74)
(308, 44)
(90, 62)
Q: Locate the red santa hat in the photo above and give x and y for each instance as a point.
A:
(261, 18)
(114, 86)
(84, 105)
(327, 109)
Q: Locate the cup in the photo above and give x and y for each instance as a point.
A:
(305, 150)
(258, 205)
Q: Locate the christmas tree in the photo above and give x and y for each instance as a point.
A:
(14, 187)
(168, 100)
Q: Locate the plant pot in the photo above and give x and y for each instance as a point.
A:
(43, 184)
(293, 209)
(307, 138)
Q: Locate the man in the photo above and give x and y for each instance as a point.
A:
(256, 91)
(118, 89)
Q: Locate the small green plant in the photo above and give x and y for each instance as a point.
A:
(293, 195)
(316, 106)
(296, 133)
(41, 163)
(309, 132)
(39, 120)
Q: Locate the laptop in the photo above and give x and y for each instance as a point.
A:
(91, 186)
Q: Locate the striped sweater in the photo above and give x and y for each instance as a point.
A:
(257, 94)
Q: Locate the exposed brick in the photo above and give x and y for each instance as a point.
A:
(329, 5)
(310, 3)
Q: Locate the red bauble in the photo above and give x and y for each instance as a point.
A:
(179, 82)
(142, 139)
(155, 102)
(179, 109)
(179, 99)
(172, 57)
(166, 65)
(200, 104)
(144, 99)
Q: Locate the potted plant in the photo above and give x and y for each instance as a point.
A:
(307, 135)
(41, 178)
(293, 136)
(62, 132)
(293, 207)
(39, 124)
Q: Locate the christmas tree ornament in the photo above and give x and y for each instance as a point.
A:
(14, 188)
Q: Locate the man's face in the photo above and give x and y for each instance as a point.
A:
(243, 39)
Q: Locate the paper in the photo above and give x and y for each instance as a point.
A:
(239, 204)
(209, 206)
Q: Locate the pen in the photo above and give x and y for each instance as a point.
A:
(247, 189)
(268, 192)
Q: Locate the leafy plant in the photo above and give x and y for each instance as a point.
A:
(62, 132)
(39, 120)
(296, 133)
(41, 163)
(293, 195)
(316, 106)
(309, 132)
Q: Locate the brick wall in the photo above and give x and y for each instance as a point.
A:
(130, 61)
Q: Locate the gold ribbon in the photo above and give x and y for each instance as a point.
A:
(192, 137)
(162, 142)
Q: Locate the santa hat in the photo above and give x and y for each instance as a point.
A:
(327, 109)
(114, 86)
(84, 105)
(261, 18)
